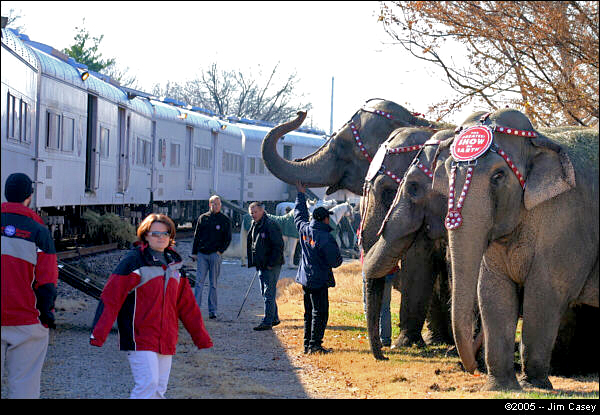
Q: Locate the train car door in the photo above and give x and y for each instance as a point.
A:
(92, 155)
(123, 171)
(189, 144)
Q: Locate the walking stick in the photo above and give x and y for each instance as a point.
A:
(247, 292)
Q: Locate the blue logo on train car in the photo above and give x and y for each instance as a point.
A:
(9, 230)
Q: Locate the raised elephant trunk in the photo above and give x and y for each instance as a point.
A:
(316, 170)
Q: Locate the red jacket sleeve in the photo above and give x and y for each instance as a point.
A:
(190, 315)
(111, 300)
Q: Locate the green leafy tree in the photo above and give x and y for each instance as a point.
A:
(86, 50)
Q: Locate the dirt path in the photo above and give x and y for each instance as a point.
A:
(242, 364)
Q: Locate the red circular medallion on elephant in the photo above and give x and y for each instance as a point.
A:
(472, 143)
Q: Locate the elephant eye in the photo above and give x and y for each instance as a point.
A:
(387, 197)
(413, 189)
(498, 177)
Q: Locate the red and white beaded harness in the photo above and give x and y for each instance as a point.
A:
(416, 162)
(396, 178)
(454, 217)
(382, 169)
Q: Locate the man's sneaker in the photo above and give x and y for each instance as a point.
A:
(212, 315)
(276, 323)
(262, 327)
(319, 350)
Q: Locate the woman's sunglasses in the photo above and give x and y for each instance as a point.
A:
(158, 234)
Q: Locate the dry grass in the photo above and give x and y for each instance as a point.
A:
(409, 372)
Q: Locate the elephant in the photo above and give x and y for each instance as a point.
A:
(415, 201)
(423, 264)
(342, 162)
(524, 225)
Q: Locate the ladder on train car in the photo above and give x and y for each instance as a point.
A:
(77, 279)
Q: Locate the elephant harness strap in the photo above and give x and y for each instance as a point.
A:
(384, 114)
(471, 144)
(422, 167)
(376, 167)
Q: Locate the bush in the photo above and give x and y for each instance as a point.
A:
(109, 228)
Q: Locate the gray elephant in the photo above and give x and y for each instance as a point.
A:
(342, 162)
(525, 221)
(423, 264)
(415, 201)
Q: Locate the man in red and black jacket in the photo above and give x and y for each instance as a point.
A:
(29, 278)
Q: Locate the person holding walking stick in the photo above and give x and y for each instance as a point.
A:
(265, 252)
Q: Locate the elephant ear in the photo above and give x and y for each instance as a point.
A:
(550, 173)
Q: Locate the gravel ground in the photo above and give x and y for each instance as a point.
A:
(243, 363)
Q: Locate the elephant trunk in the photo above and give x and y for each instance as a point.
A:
(466, 249)
(378, 262)
(374, 294)
(317, 170)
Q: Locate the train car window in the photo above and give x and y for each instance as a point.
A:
(53, 130)
(261, 166)
(144, 152)
(175, 156)
(104, 141)
(68, 137)
(232, 163)
(203, 158)
(25, 122)
(251, 165)
(12, 118)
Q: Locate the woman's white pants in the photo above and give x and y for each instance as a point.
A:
(150, 372)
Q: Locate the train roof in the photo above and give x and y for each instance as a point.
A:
(61, 66)
(14, 43)
(257, 133)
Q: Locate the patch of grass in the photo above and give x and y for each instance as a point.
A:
(410, 372)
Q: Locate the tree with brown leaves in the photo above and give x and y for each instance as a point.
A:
(538, 57)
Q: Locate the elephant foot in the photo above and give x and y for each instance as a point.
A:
(378, 355)
(405, 340)
(494, 384)
(433, 338)
(531, 382)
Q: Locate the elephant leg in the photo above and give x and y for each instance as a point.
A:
(416, 285)
(499, 306)
(374, 295)
(541, 321)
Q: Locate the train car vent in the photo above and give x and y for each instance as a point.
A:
(48, 192)
(48, 172)
(160, 191)
(160, 178)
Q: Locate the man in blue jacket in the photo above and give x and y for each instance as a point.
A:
(320, 253)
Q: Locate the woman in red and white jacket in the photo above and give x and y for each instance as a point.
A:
(147, 295)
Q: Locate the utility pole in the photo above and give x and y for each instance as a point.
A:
(331, 114)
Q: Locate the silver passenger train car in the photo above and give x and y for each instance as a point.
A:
(88, 143)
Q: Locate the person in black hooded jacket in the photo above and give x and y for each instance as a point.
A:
(320, 253)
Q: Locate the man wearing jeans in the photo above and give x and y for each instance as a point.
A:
(265, 252)
(211, 238)
(320, 253)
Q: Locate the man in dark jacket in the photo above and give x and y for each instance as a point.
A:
(211, 238)
(265, 252)
(320, 253)
(29, 277)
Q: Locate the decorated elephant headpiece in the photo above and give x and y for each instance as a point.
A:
(474, 141)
